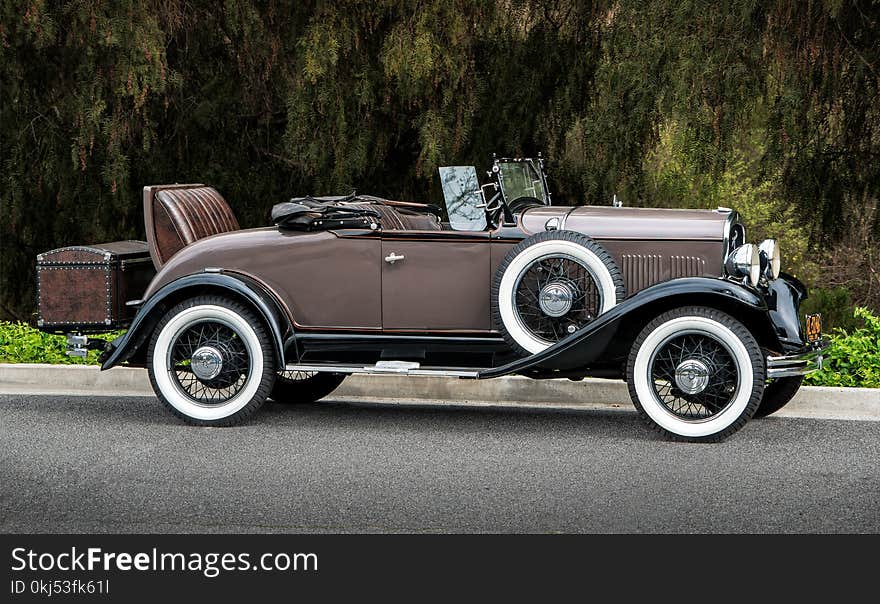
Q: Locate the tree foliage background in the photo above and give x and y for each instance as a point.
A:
(770, 107)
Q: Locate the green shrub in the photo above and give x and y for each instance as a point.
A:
(20, 343)
(675, 180)
(853, 359)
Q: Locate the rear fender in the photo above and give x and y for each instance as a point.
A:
(239, 286)
(607, 340)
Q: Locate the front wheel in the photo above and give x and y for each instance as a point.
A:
(211, 361)
(696, 374)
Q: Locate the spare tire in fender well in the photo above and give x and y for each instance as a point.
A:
(552, 284)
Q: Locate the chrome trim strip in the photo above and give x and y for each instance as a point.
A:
(388, 369)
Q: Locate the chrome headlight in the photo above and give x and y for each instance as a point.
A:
(744, 261)
(770, 261)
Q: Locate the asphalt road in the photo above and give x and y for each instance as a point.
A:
(96, 464)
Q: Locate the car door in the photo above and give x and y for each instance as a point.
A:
(329, 280)
(435, 281)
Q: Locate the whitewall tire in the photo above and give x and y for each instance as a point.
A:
(551, 285)
(211, 361)
(696, 374)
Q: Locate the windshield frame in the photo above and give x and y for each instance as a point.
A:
(535, 164)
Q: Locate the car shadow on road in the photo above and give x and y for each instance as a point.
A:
(414, 416)
(127, 413)
(130, 411)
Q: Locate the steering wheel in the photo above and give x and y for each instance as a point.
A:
(523, 203)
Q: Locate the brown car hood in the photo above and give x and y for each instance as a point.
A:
(605, 222)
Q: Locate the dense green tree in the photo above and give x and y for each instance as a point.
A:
(770, 106)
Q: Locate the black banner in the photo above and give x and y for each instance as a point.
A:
(129, 568)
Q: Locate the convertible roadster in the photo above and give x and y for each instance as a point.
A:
(702, 325)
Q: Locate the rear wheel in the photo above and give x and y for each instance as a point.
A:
(777, 394)
(696, 374)
(294, 387)
(211, 361)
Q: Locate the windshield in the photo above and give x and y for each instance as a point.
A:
(521, 179)
(461, 190)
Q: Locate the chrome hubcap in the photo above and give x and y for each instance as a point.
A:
(692, 376)
(206, 363)
(556, 299)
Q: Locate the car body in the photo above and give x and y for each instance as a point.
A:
(509, 284)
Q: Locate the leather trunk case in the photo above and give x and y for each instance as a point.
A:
(85, 287)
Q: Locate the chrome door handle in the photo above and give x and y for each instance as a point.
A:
(392, 258)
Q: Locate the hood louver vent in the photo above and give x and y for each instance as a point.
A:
(644, 270)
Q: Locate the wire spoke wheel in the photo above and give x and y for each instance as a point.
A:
(549, 286)
(209, 362)
(297, 375)
(555, 296)
(694, 376)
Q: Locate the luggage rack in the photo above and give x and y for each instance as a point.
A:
(387, 368)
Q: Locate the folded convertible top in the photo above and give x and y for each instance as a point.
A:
(345, 211)
(321, 213)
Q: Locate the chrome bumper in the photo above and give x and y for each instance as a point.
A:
(804, 361)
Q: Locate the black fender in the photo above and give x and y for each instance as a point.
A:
(784, 298)
(607, 340)
(122, 348)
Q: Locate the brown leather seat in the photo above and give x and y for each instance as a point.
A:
(388, 217)
(177, 215)
(418, 221)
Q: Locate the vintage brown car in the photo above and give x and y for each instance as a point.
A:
(703, 326)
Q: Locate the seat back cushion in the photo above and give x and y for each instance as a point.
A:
(177, 215)
(388, 217)
(418, 221)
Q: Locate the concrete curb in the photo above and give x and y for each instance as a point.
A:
(817, 402)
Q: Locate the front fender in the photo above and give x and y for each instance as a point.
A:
(607, 340)
(241, 286)
(784, 299)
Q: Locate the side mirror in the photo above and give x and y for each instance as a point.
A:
(464, 198)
